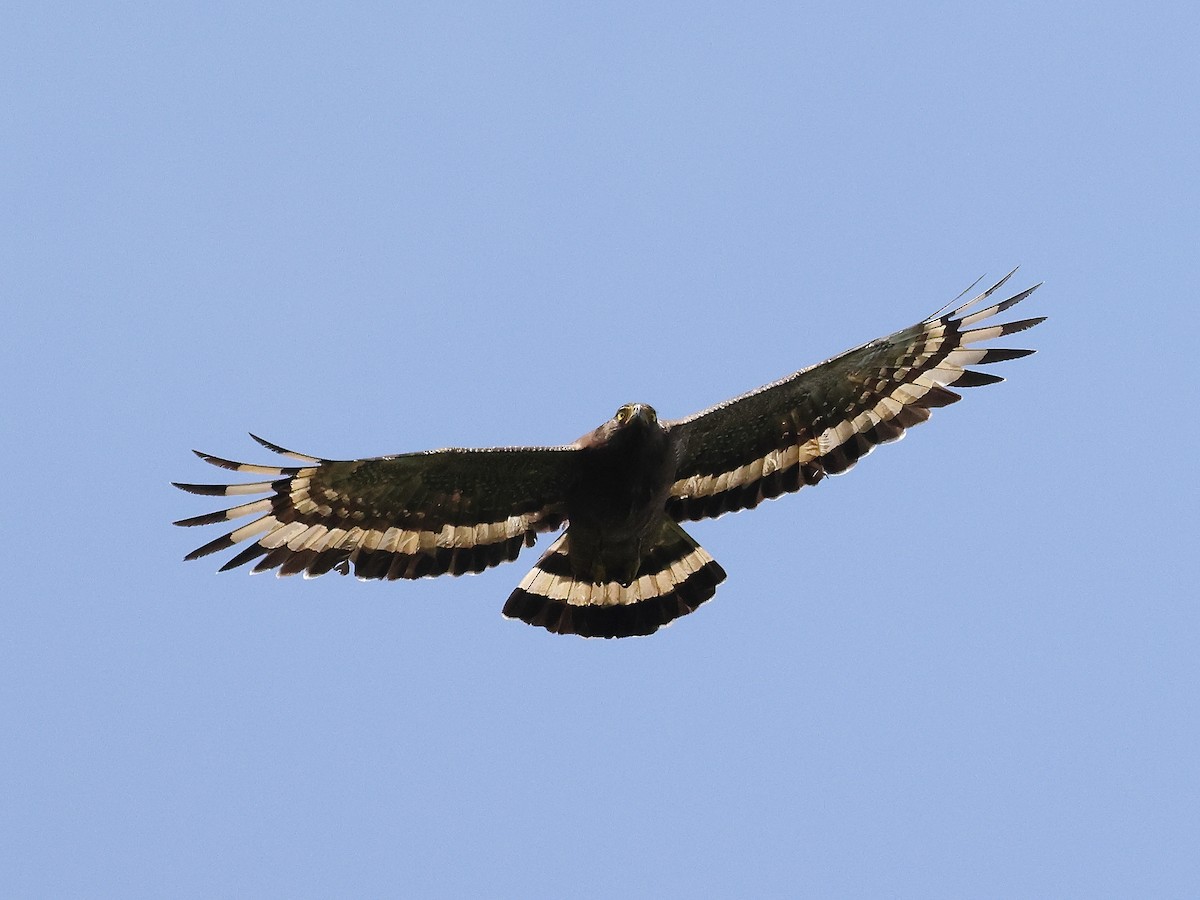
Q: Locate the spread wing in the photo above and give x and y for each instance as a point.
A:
(404, 516)
(821, 420)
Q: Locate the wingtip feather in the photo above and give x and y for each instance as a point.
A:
(283, 451)
(222, 543)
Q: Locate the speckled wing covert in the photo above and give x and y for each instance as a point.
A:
(821, 420)
(408, 516)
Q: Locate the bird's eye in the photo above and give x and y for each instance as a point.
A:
(623, 414)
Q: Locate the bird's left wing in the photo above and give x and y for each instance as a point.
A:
(405, 516)
(821, 420)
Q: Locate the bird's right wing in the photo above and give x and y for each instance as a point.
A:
(404, 516)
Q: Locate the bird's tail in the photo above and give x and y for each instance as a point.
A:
(674, 578)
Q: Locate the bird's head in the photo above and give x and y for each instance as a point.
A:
(633, 422)
(635, 414)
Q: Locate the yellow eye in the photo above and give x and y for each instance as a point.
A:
(623, 414)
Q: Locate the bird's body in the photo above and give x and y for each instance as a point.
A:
(624, 565)
(618, 504)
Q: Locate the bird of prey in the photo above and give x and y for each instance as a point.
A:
(623, 566)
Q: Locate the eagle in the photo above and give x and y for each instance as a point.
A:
(623, 565)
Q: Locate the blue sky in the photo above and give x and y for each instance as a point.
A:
(968, 668)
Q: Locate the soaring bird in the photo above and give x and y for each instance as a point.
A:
(623, 566)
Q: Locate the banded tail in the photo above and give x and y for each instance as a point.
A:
(674, 578)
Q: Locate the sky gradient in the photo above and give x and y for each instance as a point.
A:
(967, 668)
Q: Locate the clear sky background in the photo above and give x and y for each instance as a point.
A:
(968, 668)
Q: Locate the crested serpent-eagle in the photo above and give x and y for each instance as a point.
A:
(623, 566)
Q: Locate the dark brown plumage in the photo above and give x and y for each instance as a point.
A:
(624, 566)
